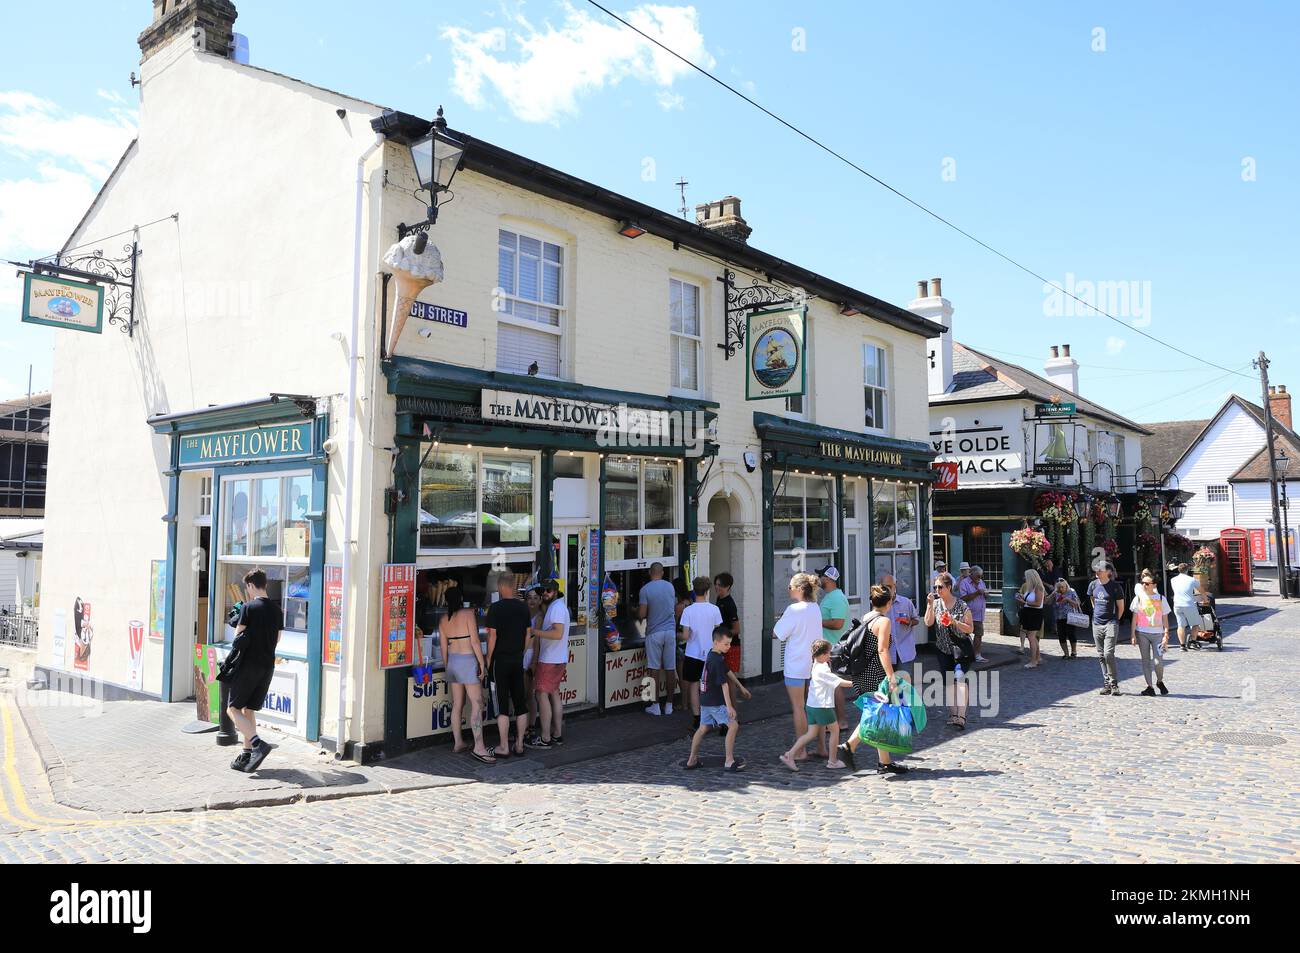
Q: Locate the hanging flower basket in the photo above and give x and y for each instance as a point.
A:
(1204, 558)
(1030, 544)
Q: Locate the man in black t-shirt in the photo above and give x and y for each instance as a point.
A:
(507, 624)
(256, 635)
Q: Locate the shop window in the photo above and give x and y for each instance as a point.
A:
(477, 499)
(642, 519)
(803, 531)
(875, 388)
(684, 325)
(529, 304)
(895, 531)
(265, 525)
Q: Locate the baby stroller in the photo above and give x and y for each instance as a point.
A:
(1211, 629)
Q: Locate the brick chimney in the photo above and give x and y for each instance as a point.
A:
(208, 23)
(1279, 405)
(930, 303)
(723, 217)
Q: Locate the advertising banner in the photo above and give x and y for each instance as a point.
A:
(135, 648)
(63, 303)
(774, 354)
(1258, 545)
(946, 472)
(332, 630)
(157, 599)
(397, 618)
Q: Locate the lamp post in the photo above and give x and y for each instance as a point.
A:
(1176, 510)
(1282, 462)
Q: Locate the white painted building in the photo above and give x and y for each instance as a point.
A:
(1223, 463)
(252, 417)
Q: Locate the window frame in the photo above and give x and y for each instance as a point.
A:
(677, 530)
(478, 547)
(1211, 487)
(674, 384)
(560, 328)
(882, 388)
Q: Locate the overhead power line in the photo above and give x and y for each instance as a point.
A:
(904, 196)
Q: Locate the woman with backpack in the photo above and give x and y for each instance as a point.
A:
(870, 662)
(952, 628)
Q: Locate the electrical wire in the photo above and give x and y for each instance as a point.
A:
(902, 195)
(1201, 386)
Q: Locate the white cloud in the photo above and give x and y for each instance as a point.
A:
(38, 213)
(670, 100)
(541, 74)
(1114, 345)
(37, 129)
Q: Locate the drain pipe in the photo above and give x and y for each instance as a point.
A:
(340, 741)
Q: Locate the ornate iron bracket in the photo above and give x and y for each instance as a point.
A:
(741, 302)
(116, 274)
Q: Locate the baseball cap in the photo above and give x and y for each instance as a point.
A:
(550, 585)
(830, 572)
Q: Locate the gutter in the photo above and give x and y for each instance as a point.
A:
(340, 732)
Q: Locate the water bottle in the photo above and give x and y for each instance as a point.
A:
(956, 671)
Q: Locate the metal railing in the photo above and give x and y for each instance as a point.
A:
(18, 627)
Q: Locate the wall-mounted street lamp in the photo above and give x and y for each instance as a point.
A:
(1081, 506)
(630, 229)
(1114, 506)
(437, 157)
(1177, 509)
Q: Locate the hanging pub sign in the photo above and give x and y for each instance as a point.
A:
(63, 303)
(1053, 448)
(774, 343)
(1055, 409)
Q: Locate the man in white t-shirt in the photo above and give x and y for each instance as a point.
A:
(552, 661)
(699, 619)
(1184, 588)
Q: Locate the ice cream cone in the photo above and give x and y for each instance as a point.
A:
(412, 273)
(407, 289)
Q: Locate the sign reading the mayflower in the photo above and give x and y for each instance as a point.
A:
(859, 453)
(539, 411)
(277, 442)
(774, 342)
(61, 303)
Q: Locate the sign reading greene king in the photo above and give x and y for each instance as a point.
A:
(278, 442)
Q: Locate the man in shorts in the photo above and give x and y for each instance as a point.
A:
(552, 661)
(657, 607)
(507, 624)
(726, 604)
(1184, 588)
(699, 619)
(256, 636)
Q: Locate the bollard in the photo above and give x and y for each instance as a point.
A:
(226, 735)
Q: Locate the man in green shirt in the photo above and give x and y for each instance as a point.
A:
(835, 623)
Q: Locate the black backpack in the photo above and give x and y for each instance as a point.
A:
(847, 657)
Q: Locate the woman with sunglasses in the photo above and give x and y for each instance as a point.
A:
(952, 628)
(799, 627)
(1151, 621)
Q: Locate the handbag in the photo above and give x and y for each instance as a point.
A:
(1077, 619)
(230, 664)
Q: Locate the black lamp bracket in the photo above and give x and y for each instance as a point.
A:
(744, 301)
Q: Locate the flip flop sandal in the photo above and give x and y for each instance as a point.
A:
(959, 723)
(498, 753)
(485, 759)
(690, 767)
(737, 765)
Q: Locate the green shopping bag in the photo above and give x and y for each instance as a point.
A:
(909, 697)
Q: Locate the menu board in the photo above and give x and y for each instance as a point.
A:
(332, 631)
(397, 616)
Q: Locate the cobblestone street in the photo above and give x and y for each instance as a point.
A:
(1058, 773)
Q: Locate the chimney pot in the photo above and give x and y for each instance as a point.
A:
(936, 287)
(1056, 351)
(1065, 350)
(1281, 388)
(723, 216)
(923, 289)
(1279, 404)
(213, 20)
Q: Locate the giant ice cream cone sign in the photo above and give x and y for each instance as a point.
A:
(412, 273)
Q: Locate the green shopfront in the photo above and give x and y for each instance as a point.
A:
(505, 474)
(246, 490)
(856, 501)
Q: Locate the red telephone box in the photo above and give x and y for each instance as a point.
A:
(1234, 562)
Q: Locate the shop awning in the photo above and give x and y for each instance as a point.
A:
(274, 408)
(790, 443)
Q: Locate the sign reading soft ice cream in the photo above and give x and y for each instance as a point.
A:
(774, 345)
(61, 303)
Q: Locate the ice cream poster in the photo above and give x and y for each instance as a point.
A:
(1053, 447)
(774, 349)
(135, 658)
(397, 616)
(60, 303)
(333, 628)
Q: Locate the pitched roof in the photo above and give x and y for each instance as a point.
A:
(978, 376)
(1256, 469)
(1168, 442)
(1195, 430)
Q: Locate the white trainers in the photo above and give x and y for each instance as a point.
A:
(653, 709)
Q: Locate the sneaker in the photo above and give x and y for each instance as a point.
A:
(1105, 690)
(891, 768)
(1161, 686)
(846, 755)
(980, 658)
(557, 740)
(668, 708)
(538, 741)
(653, 709)
(260, 750)
(1115, 692)
(1149, 692)
(241, 761)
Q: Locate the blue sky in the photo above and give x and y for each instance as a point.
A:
(1152, 145)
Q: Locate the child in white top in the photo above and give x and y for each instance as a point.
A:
(820, 708)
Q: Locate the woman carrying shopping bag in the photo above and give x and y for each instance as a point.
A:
(870, 663)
